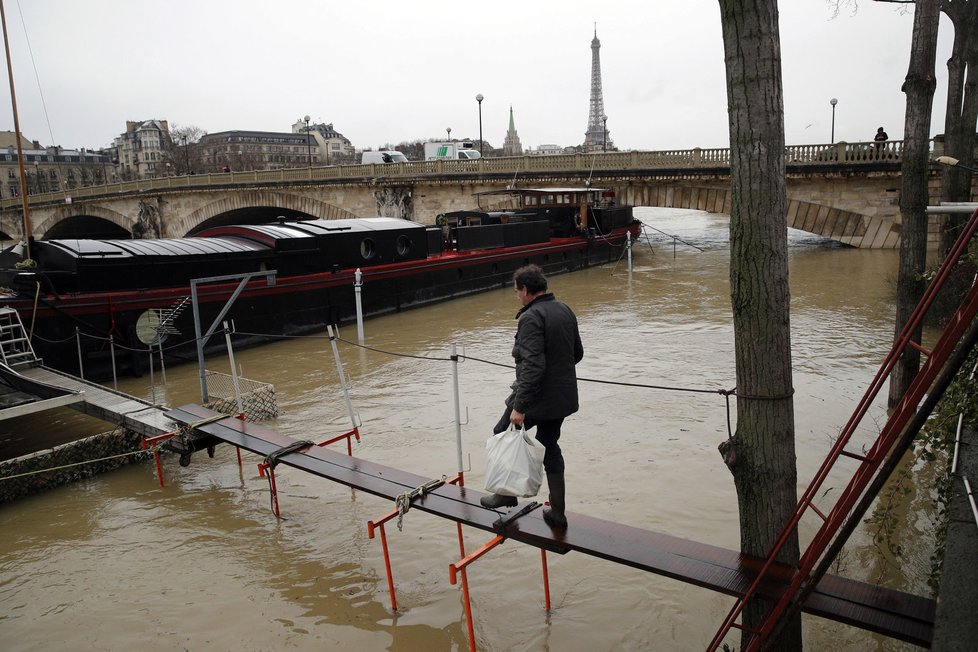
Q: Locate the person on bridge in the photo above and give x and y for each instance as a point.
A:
(548, 346)
(880, 138)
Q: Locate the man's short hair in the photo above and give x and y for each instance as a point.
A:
(530, 277)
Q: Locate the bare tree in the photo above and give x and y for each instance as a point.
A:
(919, 87)
(961, 114)
(761, 455)
(182, 151)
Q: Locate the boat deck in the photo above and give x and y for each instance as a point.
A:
(891, 613)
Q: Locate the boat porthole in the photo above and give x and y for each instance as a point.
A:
(367, 250)
(403, 245)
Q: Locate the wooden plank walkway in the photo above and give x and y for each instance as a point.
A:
(891, 613)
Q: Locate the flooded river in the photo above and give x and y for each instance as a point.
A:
(117, 563)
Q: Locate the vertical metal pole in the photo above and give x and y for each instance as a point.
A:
(339, 370)
(628, 247)
(81, 369)
(357, 285)
(458, 413)
(387, 563)
(115, 381)
(234, 370)
(152, 378)
(200, 343)
(546, 579)
(162, 364)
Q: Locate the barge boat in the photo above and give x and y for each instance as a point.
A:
(81, 292)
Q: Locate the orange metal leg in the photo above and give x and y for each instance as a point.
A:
(371, 526)
(154, 442)
(460, 565)
(546, 579)
(159, 467)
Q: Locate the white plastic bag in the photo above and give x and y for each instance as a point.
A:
(515, 466)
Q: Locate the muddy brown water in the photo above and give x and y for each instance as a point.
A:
(116, 562)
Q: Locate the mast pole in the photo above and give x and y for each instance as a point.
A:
(28, 235)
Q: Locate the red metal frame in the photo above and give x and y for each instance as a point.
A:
(263, 467)
(154, 442)
(379, 525)
(872, 460)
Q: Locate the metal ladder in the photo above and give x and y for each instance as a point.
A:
(15, 348)
(875, 465)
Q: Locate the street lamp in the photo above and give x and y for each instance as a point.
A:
(479, 98)
(449, 130)
(604, 147)
(833, 102)
(308, 144)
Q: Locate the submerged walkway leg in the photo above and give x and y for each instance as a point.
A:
(379, 525)
(460, 565)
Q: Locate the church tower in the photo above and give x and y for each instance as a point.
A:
(512, 146)
(596, 138)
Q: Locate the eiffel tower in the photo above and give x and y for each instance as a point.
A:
(596, 138)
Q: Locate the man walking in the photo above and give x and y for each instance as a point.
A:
(548, 346)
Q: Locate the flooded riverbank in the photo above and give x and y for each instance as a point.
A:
(203, 564)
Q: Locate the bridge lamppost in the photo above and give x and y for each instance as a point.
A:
(604, 146)
(833, 102)
(308, 143)
(449, 130)
(479, 98)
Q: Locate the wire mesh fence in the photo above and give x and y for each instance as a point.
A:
(258, 400)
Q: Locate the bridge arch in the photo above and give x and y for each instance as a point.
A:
(847, 227)
(89, 221)
(210, 214)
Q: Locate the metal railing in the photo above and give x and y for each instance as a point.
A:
(863, 153)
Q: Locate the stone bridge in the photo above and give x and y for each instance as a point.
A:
(847, 192)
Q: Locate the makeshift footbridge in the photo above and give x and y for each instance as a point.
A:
(892, 613)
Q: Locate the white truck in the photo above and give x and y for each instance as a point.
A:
(383, 156)
(463, 150)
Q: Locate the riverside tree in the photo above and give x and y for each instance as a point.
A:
(919, 87)
(761, 455)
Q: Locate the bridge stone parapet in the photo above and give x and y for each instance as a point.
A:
(848, 192)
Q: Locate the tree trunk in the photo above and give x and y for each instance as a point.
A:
(961, 114)
(919, 87)
(764, 466)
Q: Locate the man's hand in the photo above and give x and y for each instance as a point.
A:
(516, 418)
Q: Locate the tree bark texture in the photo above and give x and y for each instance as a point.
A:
(961, 113)
(764, 468)
(919, 87)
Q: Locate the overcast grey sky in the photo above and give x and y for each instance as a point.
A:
(387, 72)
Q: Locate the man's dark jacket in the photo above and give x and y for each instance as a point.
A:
(548, 345)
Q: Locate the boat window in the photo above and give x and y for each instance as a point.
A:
(530, 200)
(403, 245)
(367, 249)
